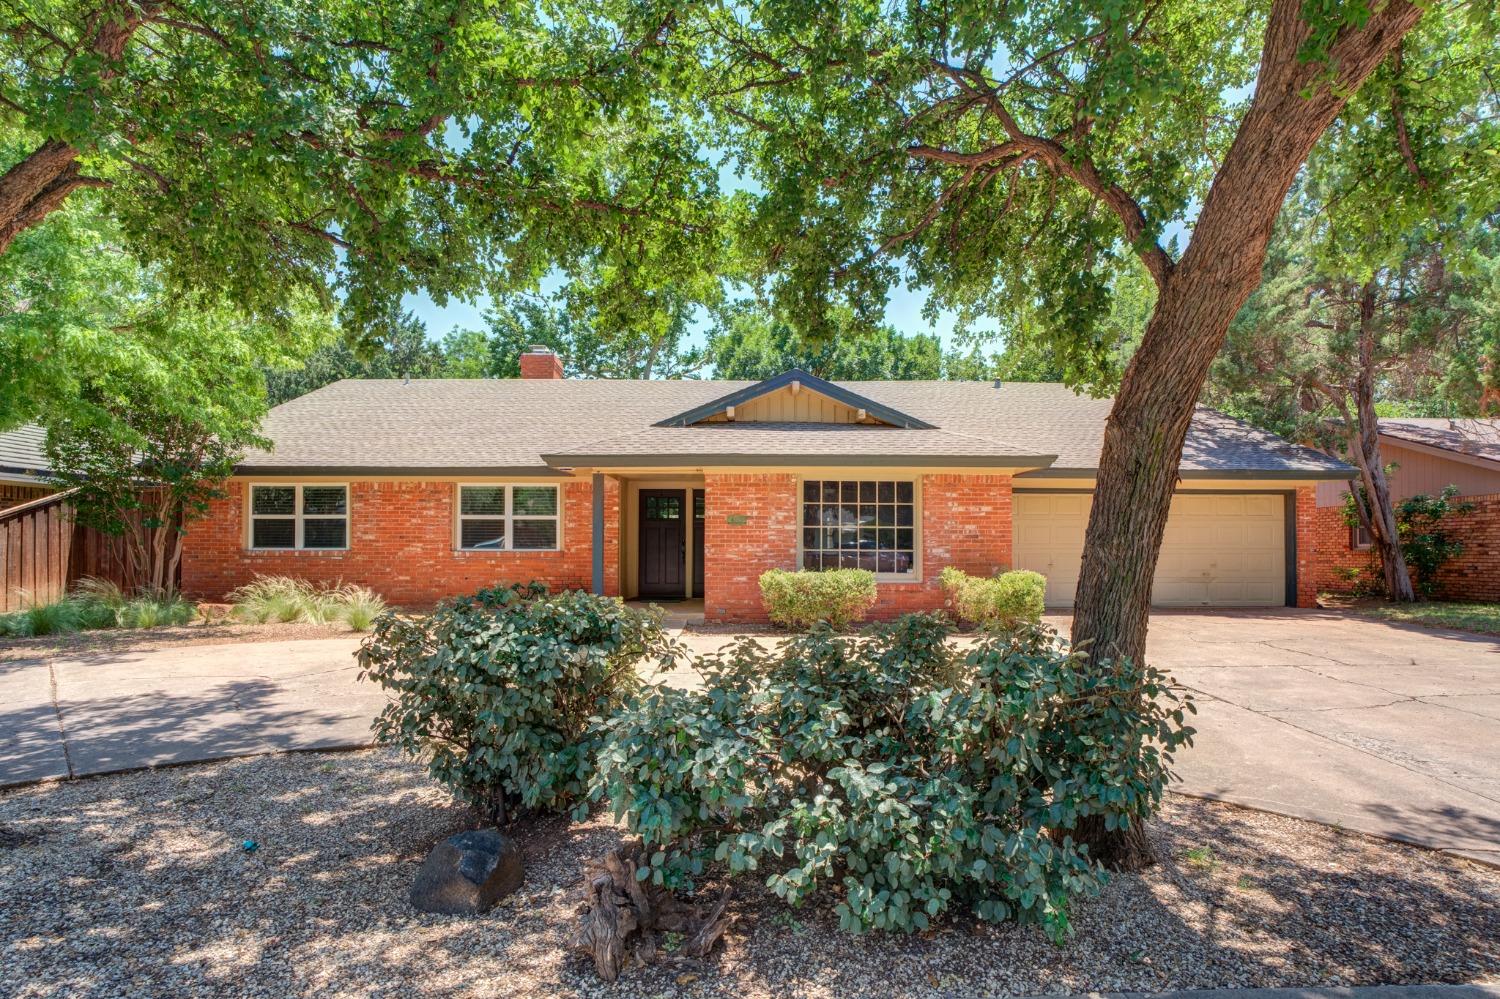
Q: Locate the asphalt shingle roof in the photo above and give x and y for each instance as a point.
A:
(453, 426)
(23, 449)
(831, 442)
(1479, 438)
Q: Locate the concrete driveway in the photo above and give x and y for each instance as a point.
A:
(1387, 729)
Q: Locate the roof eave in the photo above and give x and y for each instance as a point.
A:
(681, 459)
(1299, 474)
(399, 471)
(1438, 451)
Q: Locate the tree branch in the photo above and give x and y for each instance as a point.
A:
(1074, 166)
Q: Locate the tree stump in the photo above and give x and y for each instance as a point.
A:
(621, 916)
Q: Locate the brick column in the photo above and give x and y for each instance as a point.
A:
(749, 526)
(1307, 546)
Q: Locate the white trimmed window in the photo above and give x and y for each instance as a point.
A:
(299, 516)
(860, 524)
(508, 518)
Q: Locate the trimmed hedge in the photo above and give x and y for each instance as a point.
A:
(799, 600)
(1008, 600)
(500, 693)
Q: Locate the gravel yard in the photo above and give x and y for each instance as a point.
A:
(138, 885)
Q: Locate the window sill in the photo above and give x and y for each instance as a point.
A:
(315, 552)
(503, 552)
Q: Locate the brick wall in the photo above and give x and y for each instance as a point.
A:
(401, 546)
(1306, 520)
(1331, 554)
(1475, 575)
(735, 555)
(966, 521)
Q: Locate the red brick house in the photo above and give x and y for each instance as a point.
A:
(692, 489)
(1429, 455)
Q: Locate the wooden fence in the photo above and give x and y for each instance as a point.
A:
(43, 553)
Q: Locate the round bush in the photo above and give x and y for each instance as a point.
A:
(502, 692)
(1008, 600)
(893, 776)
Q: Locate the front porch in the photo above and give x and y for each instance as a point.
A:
(661, 538)
(680, 614)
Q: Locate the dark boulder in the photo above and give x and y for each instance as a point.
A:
(467, 873)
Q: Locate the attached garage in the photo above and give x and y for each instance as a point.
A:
(1220, 549)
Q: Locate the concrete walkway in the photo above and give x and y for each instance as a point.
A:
(1385, 729)
(97, 712)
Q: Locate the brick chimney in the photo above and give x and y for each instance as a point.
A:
(540, 362)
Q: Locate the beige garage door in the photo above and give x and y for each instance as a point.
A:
(1219, 551)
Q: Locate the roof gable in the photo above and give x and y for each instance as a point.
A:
(795, 396)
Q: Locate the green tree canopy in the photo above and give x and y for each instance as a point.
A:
(367, 149)
(82, 322)
(401, 349)
(148, 397)
(590, 347)
(747, 343)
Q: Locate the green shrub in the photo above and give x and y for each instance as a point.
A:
(1007, 600)
(799, 600)
(154, 612)
(274, 598)
(501, 692)
(286, 600)
(892, 775)
(1421, 524)
(96, 604)
(360, 606)
(60, 617)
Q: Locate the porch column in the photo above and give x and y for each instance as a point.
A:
(598, 533)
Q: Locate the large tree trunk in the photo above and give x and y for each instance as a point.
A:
(39, 184)
(1196, 301)
(36, 187)
(1366, 452)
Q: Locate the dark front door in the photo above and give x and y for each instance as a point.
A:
(663, 539)
(698, 498)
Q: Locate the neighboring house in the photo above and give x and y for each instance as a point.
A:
(23, 466)
(676, 489)
(1429, 455)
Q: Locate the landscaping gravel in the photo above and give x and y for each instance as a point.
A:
(288, 875)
